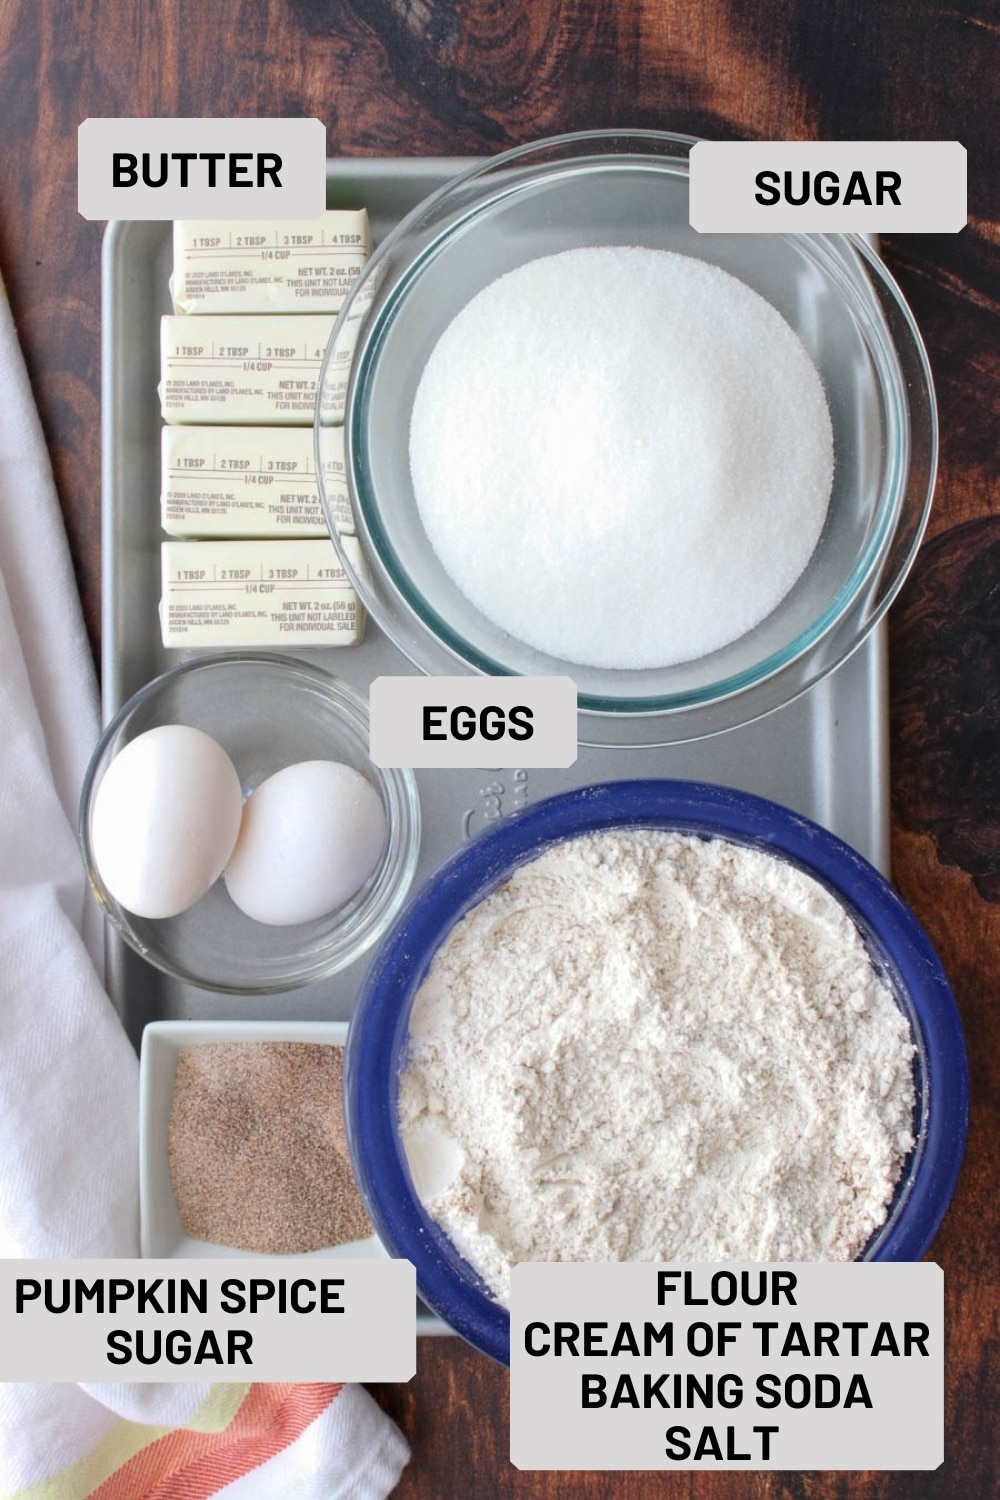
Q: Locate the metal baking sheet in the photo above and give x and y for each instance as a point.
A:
(826, 755)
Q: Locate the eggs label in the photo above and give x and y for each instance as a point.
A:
(480, 722)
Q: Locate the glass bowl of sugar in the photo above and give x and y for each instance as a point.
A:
(690, 471)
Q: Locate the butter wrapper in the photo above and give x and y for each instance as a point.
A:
(276, 266)
(259, 594)
(252, 371)
(250, 482)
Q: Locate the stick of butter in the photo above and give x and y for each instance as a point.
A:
(250, 482)
(243, 370)
(253, 593)
(277, 266)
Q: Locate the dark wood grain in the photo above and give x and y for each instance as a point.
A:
(410, 77)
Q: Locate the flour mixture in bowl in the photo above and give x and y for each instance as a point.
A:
(647, 1045)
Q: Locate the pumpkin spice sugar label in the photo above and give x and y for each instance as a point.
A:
(287, 1318)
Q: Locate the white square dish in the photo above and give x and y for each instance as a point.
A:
(161, 1232)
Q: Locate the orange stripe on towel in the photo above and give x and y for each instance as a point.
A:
(184, 1465)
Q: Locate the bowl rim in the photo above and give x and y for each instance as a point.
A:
(747, 692)
(397, 788)
(889, 928)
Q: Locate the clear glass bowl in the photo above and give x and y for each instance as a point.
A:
(631, 188)
(266, 711)
(377, 1041)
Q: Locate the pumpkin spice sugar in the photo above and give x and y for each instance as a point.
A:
(258, 1154)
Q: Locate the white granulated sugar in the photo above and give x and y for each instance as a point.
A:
(622, 457)
(646, 1046)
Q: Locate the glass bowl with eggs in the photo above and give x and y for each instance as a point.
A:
(689, 471)
(235, 830)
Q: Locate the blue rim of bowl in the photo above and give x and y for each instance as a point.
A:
(896, 941)
(864, 305)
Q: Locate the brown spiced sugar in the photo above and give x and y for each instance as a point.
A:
(258, 1153)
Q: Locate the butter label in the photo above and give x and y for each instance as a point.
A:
(250, 482)
(253, 593)
(176, 168)
(291, 266)
(256, 370)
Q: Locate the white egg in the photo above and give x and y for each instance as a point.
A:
(165, 819)
(311, 836)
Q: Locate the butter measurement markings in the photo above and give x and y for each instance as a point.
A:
(273, 470)
(186, 580)
(206, 248)
(201, 355)
(224, 359)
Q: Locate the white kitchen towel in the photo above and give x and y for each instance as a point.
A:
(69, 1078)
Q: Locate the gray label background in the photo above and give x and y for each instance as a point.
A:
(904, 1429)
(373, 1339)
(397, 705)
(301, 144)
(932, 194)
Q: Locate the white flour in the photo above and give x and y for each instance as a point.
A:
(645, 1046)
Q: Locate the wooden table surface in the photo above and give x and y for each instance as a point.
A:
(410, 77)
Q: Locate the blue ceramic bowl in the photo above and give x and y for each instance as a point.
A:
(377, 1042)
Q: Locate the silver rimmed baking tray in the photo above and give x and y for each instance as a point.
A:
(825, 755)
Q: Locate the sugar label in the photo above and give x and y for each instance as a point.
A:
(823, 187)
